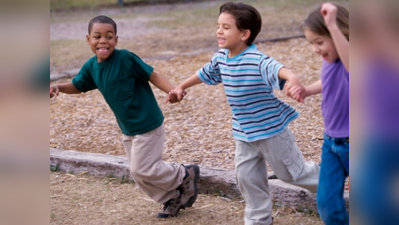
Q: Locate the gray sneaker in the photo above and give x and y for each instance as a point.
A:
(171, 208)
(188, 188)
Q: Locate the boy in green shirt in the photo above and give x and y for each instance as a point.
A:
(122, 78)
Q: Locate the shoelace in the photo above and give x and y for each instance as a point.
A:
(185, 185)
(172, 203)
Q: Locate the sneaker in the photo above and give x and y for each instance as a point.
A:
(171, 208)
(188, 188)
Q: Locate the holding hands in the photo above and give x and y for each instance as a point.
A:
(299, 94)
(176, 95)
(295, 90)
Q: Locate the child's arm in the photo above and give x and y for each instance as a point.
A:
(179, 91)
(293, 83)
(312, 89)
(161, 82)
(329, 12)
(67, 88)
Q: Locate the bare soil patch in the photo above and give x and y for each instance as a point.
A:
(86, 199)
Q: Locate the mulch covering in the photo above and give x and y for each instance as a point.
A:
(198, 130)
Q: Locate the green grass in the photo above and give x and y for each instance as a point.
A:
(68, 4)
(69, 51)
(273, 13)
(71, 4)
(184, 18)
(54, 168)
(120, 180)
(52, 216)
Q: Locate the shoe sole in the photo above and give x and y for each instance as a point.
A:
(164, 216)
(191, 200)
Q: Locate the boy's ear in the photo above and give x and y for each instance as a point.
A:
(116, 40)
(88, 39)
(245, 35)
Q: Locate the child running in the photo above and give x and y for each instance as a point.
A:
(123, 79)
(260, 119)
(327, 30)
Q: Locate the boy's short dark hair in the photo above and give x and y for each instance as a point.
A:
(247, 18)
(101, 19)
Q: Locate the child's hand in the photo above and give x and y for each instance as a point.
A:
(295, 90)
(172, 98)
(296, 93)
(176, 95)
(329, 13)
(179, 93)
(54, 91)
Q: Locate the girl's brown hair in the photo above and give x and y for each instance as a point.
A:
(315, 22)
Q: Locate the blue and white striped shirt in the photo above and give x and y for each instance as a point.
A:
(249, 79)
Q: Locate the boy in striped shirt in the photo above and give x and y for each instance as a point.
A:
(260, 119)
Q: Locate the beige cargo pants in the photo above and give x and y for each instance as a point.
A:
(288, 164)
(158, 179)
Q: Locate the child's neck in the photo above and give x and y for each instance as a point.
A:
(237, 50)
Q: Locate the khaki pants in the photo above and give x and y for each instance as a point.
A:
(158, 179)
(288, 164)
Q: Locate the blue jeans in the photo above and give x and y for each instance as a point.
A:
(375, 186)
(333, 172)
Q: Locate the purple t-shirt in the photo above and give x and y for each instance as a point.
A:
(335, 99)
(382, 98)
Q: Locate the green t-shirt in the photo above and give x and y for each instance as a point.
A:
(123, 81)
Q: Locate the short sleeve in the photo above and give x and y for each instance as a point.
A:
(210, 73)
(140, 69)
(269, 68)
(83, 81)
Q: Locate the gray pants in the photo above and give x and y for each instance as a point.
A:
(288, 164)
(158, 179)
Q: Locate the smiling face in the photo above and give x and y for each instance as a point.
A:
(102, 40)
(229, 36)
(322, 45)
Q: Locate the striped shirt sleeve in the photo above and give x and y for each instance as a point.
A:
(269, 69)
(210, 73)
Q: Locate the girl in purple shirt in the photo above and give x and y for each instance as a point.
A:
(327, 30)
